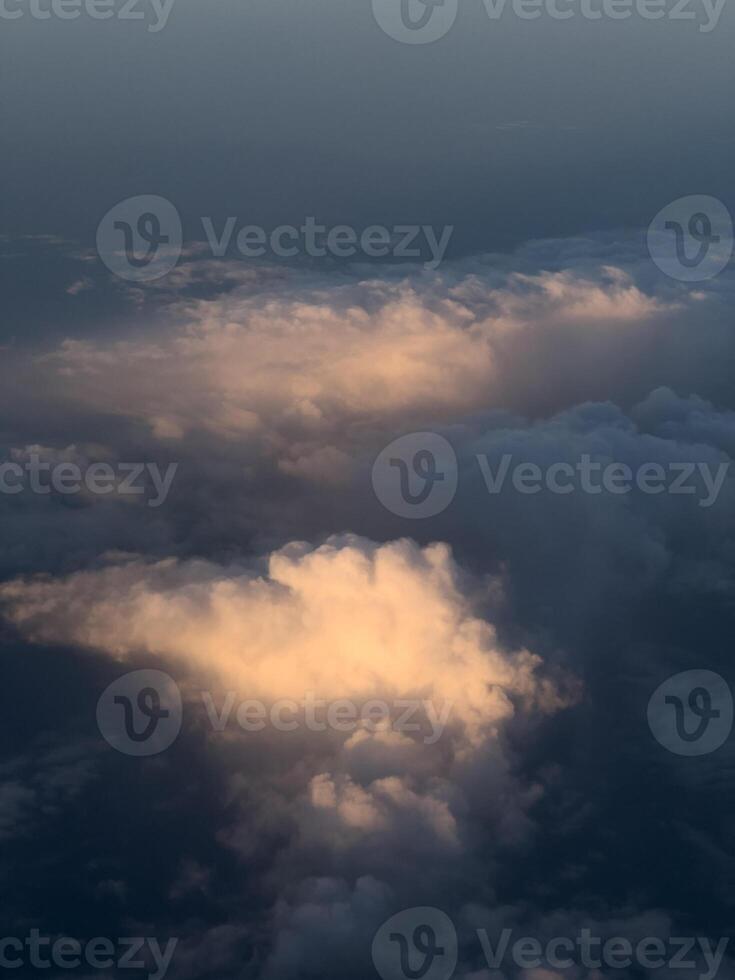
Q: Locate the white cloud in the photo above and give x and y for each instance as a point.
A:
(347, 619)
(294, 362)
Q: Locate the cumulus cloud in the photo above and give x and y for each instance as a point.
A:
(271, 387)
(243, 365)
(347, 619)
(607, 549)
(276, 391)
(258, 362)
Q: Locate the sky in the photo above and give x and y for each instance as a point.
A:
(368, 554)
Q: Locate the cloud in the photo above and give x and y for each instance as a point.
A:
(265, 362)
(270, 387)
(606, 550)
(275, 392)
(38, 785)
(326, 913)
(347, 619)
